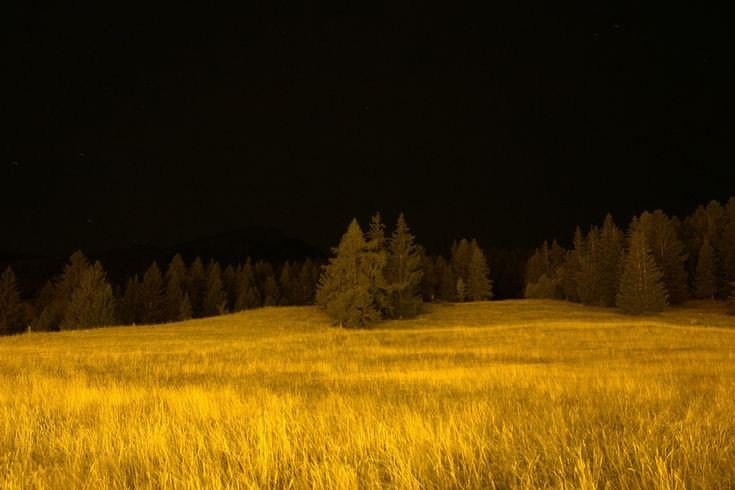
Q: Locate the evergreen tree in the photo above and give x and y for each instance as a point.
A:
(732, 297)
(403, 272)
(479, 286)
(12, 317)
(215, 299)
(307, 283)
(461, 255)
(46, 298)
(229, 285)
(271, 292)
(377, 255)
(287, 286)
(53, 313)
(727, 247)
(669, 253)
(705, 282)
(641, 285)
(610, 261)
(571, 268)
(447, 280)
(588, 281)
(150, 296)
(129, 307)
(461, 290)
(248, 296)
(176, 305)
(92, 303)
(535, 267)
(429, 279)
(263, 270)
(345, 286)
(196, 283)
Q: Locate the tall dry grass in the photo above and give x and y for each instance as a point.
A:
(520, 394)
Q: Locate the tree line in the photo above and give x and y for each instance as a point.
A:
(83, 297)
(658, 261)
(373, 276)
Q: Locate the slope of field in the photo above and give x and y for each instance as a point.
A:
(506, 394)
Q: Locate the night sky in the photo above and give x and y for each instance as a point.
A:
(510, 125)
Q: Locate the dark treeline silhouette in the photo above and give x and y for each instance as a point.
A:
(373, 276)
(660, 260)
(82, 296)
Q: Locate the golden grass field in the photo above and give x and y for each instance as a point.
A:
(512, 394)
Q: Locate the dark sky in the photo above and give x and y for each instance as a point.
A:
(510, 124)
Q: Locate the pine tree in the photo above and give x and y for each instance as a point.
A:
(248, 296)
(46, 298)
(732, 298)
(12, 317)
(196, 282)
(129, 307)
(151, 296)
(263, 270)
(669, 253)
(479, 286)
(176, 305)
(345, 286)
(727, 247)
(403, 272)
(271, 292)
(588, 281)
(229, 285)
(307, 283)
(447, 280)
(461, 290)
(705, 281)
(377, 253)
(429, 279)
(286, 285)
(92, 303)
(569, 272)
(641, 285)
(215, 299)
(461, 259)
(610, 261)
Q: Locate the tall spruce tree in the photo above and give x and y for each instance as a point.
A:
(129, 306)
(248, 296)
(732, 298)
(461, 254)
(346, 285)
(377, 253)
(705, 280)
(479, 286)
(176, 304)
(308, 277)
(229, 285)
(215, 298)
(150, 296)
(641, 285)
(196, 283)
(572, 266)
(669, 253)
(588, 280)
(429, 279)
(12, 316)
(92, 303)
(461, 290)
(271, 292)
(610, 261)
(727, 247)
(447, 280)
(403, 272)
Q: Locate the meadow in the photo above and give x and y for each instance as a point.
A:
(511, 394)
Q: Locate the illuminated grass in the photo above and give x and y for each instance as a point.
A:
(506, 394)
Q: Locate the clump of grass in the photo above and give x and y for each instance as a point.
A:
(517, 394)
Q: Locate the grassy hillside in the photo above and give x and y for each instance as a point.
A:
(506, 394)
